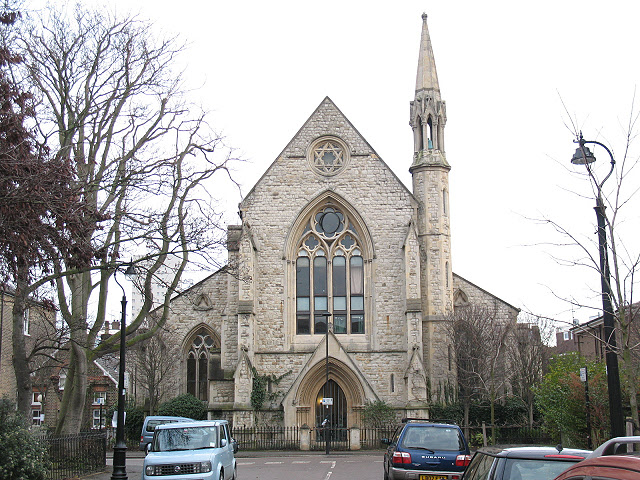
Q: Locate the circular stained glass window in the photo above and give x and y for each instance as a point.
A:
(329, 222)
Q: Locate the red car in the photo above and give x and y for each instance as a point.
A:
(613, 460)
(610, 467)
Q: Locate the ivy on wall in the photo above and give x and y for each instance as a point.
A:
(259, 389)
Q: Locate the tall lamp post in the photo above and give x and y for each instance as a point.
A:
(583, 156)
(120, 448)
(327, 420)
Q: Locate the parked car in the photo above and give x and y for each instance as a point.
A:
(204, 448)
(617, 445)
(613, 460)
(151, 422)
(522, 463)
(424, 450)
(610, 467)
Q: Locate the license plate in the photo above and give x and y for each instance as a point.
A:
(433, 477)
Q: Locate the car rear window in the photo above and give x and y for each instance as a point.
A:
(534, 469)
(152, 424)
(480, 467)
(433, 438)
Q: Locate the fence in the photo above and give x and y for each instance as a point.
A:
(289, 438)
(508, 435)
(371, 438)
(75, 455)
(267, 438)
(339, 438)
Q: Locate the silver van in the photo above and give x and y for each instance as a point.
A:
(201, 449)
(150, 424)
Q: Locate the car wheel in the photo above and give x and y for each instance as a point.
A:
(386, 475)
(221, 475)
(235, 473)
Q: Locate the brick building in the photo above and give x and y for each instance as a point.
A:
(329, 234)
(39, 331)
(588, 338)
(102, 394)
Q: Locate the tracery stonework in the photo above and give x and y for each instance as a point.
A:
(328, 156)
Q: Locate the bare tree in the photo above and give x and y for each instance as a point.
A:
(41, 213)
(617, 264)
(464, 328)
(145, 161)
(528, 355)
(154, 364)
(479, 338)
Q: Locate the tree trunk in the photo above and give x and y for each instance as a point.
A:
(75, 392)
(466, 408)
(632, 390)
(78, 394)
(20, 361)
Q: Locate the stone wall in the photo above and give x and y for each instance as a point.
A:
(472, 294)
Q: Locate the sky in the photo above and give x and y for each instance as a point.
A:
(518, 79)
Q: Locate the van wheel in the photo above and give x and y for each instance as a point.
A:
(221, 475)
(235, 473)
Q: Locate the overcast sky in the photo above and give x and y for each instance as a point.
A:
(505, 69)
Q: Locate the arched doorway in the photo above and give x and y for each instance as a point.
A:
(332, 415)
(344, 387)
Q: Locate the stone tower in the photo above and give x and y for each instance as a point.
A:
(430, 173)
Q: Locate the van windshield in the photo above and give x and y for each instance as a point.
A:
(192, 438)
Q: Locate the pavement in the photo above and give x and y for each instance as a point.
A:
(135, 459)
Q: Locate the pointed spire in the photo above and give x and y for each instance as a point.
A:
(427, 78)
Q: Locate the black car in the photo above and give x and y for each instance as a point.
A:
(424, 450)
(522, 463)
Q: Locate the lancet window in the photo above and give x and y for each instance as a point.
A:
(330, 275)
(203, 363)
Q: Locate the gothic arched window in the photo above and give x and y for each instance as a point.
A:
(329, 275)
(203, 363)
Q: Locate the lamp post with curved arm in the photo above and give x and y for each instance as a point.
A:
(120, 447)
(583, 156)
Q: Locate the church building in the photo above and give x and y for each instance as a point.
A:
(338, 283)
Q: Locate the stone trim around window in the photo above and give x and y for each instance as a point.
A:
(328, 155)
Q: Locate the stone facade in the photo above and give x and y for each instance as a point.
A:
(330, 232)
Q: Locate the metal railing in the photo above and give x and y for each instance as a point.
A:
(289, 438)
(339, 438)
(371, 438)
(71, 456)
(479, 436)
(267, 438)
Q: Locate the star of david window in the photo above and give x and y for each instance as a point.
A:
(329, 275)
(328, 156)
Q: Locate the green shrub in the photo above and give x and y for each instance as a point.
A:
(133, 424)
(378, 414)
(561, 399)
(22, 456)
(184, 406)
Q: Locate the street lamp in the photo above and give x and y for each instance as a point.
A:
(120, 448)
(583, 156)
(327, 426)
